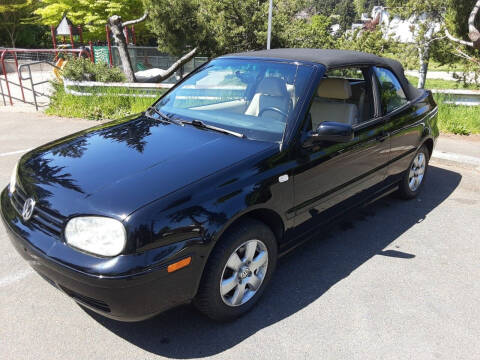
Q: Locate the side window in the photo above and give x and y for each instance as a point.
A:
(345, 96)
(391, 92)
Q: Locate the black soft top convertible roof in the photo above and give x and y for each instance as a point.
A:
(335, 58)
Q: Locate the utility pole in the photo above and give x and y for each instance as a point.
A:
(269, 29)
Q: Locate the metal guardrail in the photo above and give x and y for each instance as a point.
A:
(12, 55)
(32, 84)
(150, 89)
(459, 96)
(450, 96)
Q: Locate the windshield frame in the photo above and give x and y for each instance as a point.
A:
(292, 119)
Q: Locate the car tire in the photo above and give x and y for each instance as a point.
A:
(238, 271)
(414, 177)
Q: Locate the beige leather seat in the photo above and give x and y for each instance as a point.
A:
(330, 103)
(270, 92)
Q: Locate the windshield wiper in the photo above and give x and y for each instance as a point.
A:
(162, 115)
(202, 125)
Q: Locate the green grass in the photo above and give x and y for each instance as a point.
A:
(111, 106)
(443, 84)
(455, 119)
(436, 66)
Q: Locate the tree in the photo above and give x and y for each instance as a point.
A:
(117, 26)
(467, 9)
(312, 33)
(346, 11)
(90, 14)
(324, 7)
(427, 16)
(12, 14)
(217, 27)
(179, 25)
(463, 21)
(369, 41)
(366, 6)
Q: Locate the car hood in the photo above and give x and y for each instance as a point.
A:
(118, 167)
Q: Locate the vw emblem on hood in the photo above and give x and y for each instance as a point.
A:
(27, 210)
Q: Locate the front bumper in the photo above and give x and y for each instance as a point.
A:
(126, 288)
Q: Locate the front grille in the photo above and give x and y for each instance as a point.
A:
(42, 218)
(97, 304)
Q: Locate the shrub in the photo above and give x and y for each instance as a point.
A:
(109, 103)
(81, 69)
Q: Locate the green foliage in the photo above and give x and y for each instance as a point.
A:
(457, 23)
(427, 13)
(91, 14)
(434, 9)
(368, 41)
(366, 6)
(110, 104)
(33, 36)
(237, 26)
(324, 7)
(346, 14)
(178, 25)
(457, 16)
(218, 26)
(80, 69)
(313, 33)
(14, 13)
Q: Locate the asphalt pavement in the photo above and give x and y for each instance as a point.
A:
(396, 280)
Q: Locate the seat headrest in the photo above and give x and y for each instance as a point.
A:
(272, 86)
(335, 88)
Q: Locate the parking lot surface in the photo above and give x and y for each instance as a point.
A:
(396, 280)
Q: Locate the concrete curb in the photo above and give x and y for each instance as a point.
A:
(464, 159)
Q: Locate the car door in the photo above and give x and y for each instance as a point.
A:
(402, 121)
(331, 177)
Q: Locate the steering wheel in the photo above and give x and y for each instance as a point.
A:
(272, 108)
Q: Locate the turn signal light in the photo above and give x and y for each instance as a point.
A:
(179, 264)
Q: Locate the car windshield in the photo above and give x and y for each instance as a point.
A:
(255, 98)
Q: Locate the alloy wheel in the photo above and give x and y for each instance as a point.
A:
(244, 273)
(417, 171)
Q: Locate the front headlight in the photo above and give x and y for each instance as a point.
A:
(13, 179)
(97, 235)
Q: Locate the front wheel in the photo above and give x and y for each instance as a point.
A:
(414, 176)
(237, 271)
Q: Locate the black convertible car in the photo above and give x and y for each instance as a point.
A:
(240, 162)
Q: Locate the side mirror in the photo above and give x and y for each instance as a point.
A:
(329, 131)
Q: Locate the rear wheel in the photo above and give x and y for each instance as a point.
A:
(414, 176)
(237, 271)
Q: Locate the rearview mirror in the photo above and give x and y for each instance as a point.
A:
(330, 131)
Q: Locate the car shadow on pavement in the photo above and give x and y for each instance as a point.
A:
(301, 277)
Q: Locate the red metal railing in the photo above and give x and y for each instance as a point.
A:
(15, 52)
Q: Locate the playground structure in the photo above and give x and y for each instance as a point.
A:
(25, 74)
(20, 65)
(66, 28)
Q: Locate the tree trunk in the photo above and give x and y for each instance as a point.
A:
(424, 58)
(116, 25)
(473, 32)
(13, 37)
(165, 74)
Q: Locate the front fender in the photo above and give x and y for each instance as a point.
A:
(206, 209)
